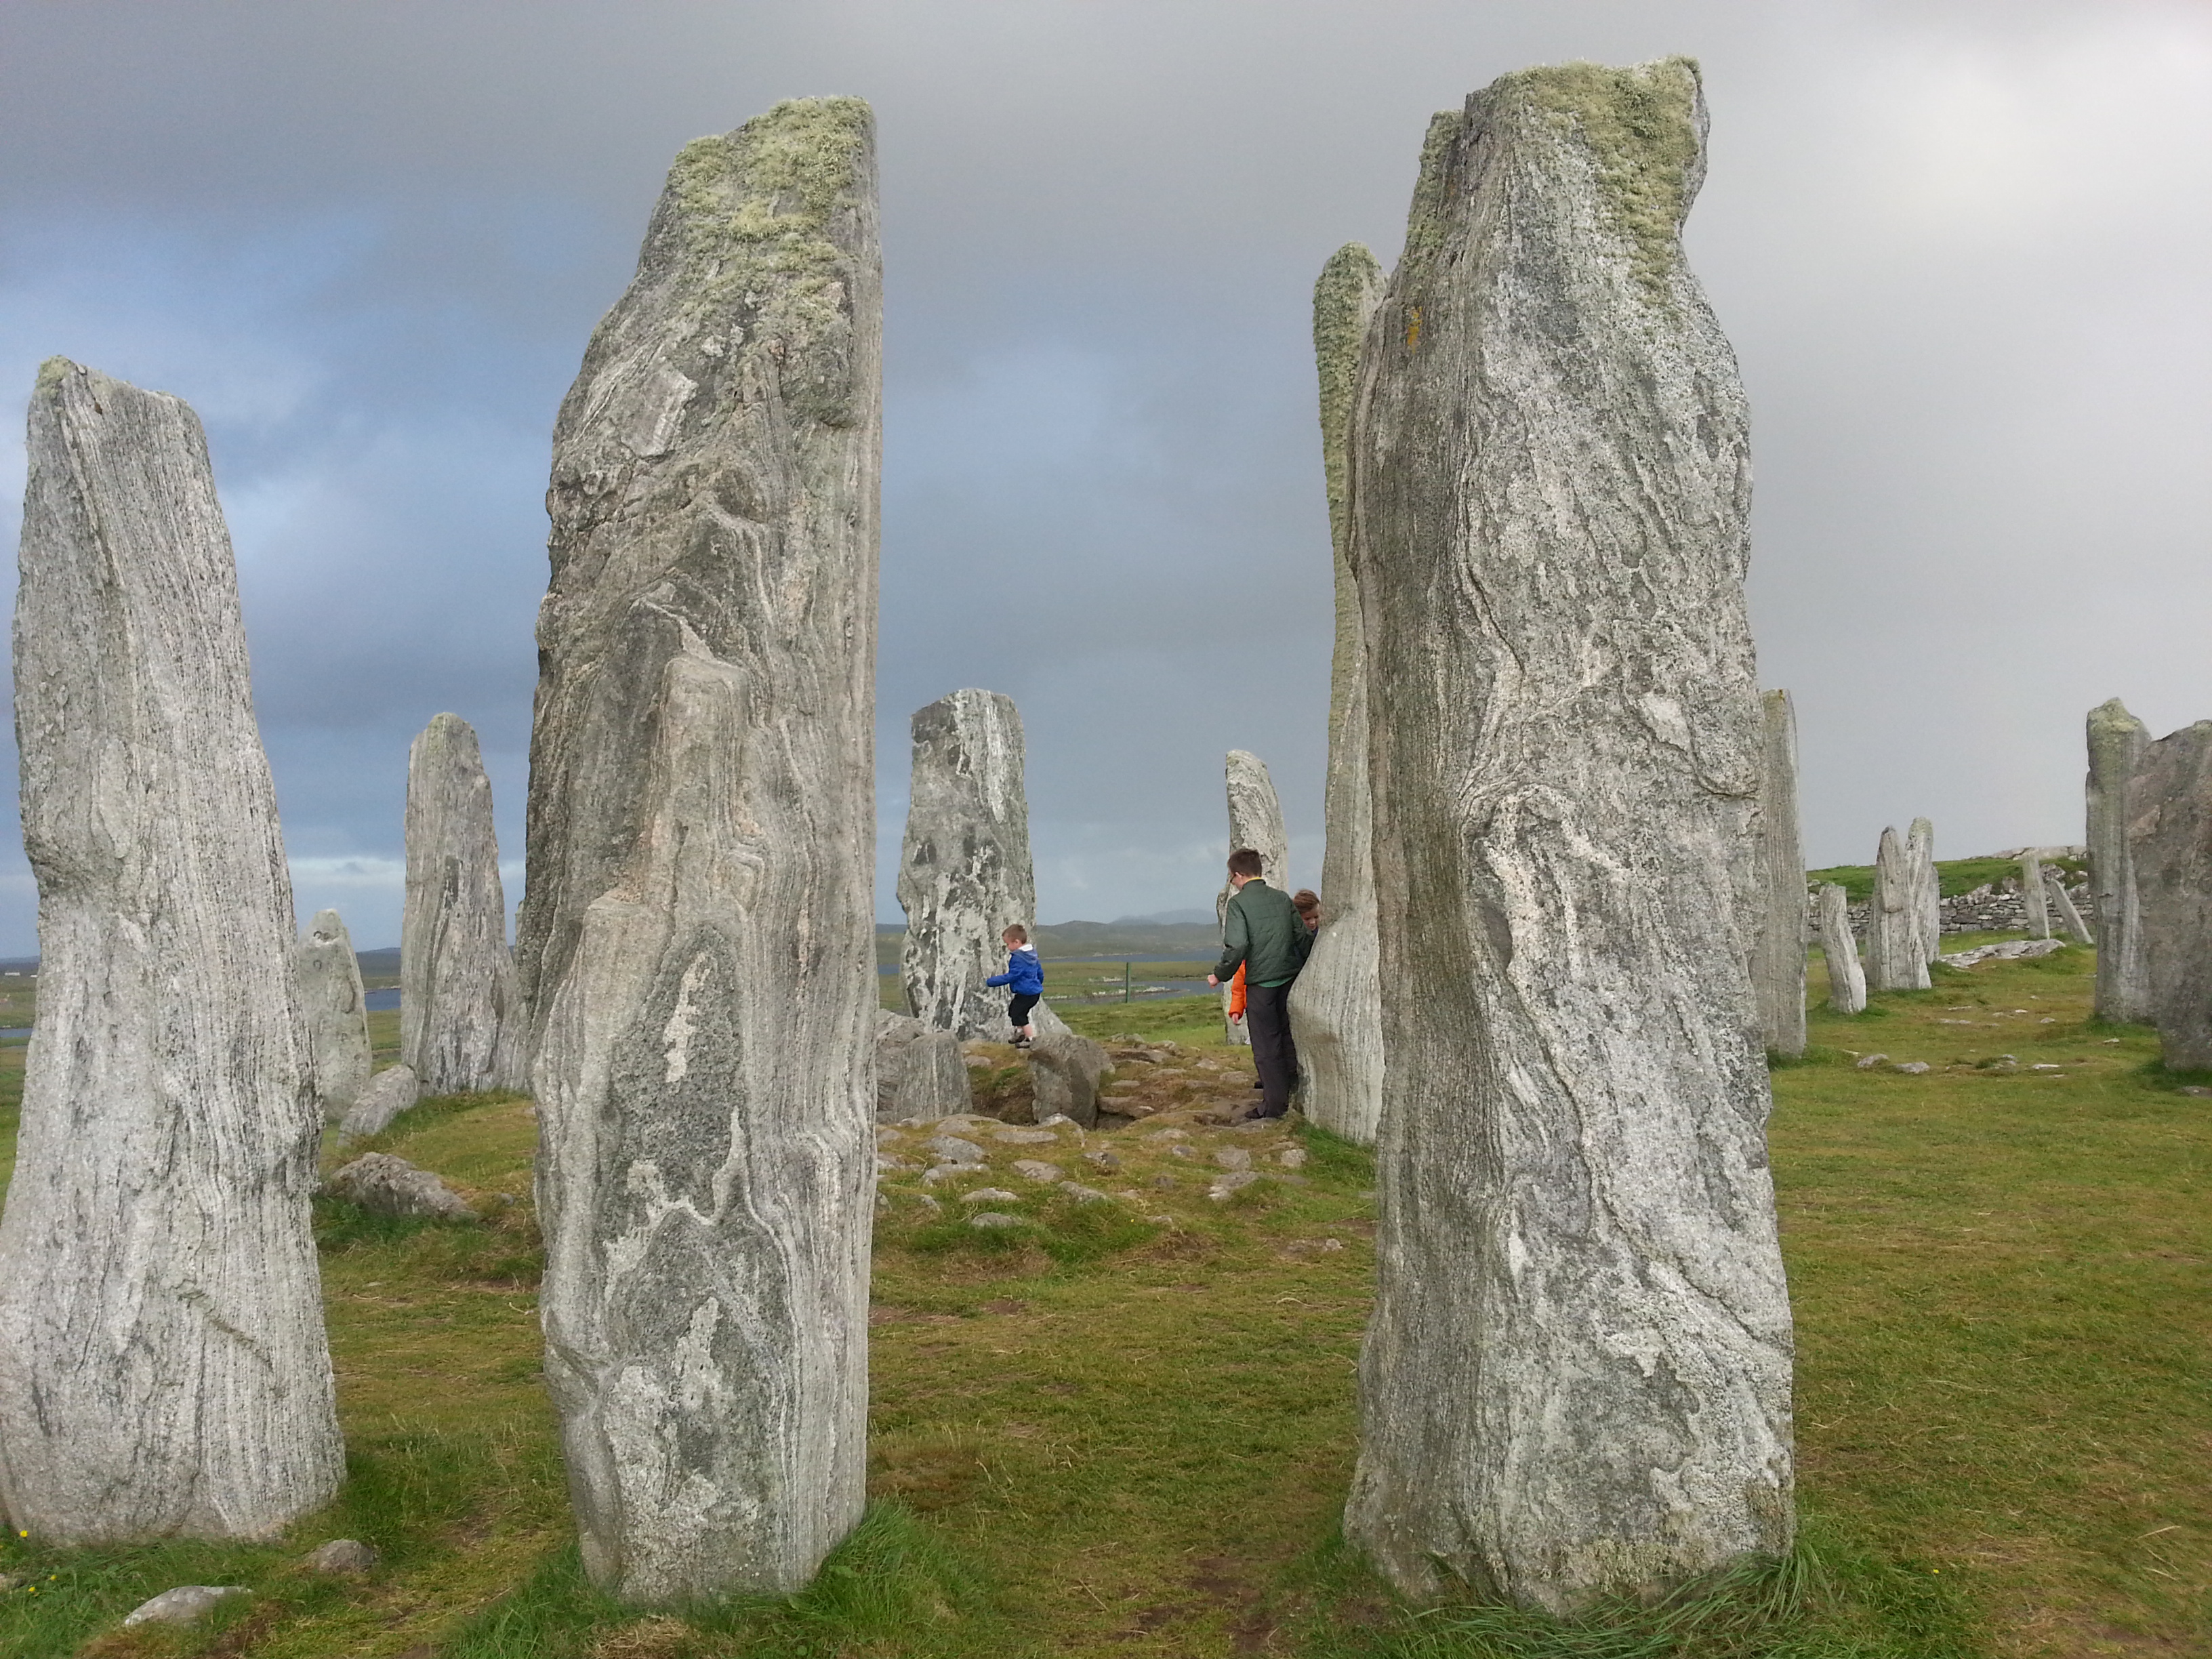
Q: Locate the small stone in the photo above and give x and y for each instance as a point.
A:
(990, 1195)
(1099, 1157)
(1083, 1195)
(1868, 1062)
(937, 1172)
(1234, 1181)
(1233, 1157)
(382, 1098)
(1031, 1169)
(344, 1556)
(385, 1185)
(1163, 1180)
(2200, 1094)
(1330, 1244)
(995, 1219)
(1168, 1134)
(1027, 1137)
(1911, 1067)
(1291, 1158)
(1181, 1151)
(951, 1149)
(187, 1604)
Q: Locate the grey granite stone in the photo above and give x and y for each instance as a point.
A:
(1777, 956)
(337, 1011)
(1846, 978)
(2116, 741)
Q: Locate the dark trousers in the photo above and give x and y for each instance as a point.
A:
(1268, 1018)
(1018, 1004)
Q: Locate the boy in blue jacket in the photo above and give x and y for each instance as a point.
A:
(1025, 976)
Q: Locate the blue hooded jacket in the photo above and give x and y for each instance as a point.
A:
(1025, 973)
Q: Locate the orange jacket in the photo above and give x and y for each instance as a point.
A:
(1236, 993)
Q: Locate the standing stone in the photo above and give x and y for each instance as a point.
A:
(461, 1021)
(2170, 851)
(1777, 960)
(1846, 979)
(1894, 959)
(1336, 1006)
(1065, 1071)
(1255, 820)
(933, 1081)
(337, 1011)
(964, 873)
(2063, 901)
(163, 1370)
(1577, 1378)
(697, 939)
(2116, 741)
(1926, 884)
(2036, 908)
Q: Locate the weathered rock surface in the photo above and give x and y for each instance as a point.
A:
(1894, 959)
(187, 1604)
(1066, 1071)
(2116, 741)
(1778, 954)
(389, 1093)
(965, 872)
(932, 1080)
(163, 1364)
(2011, 950)
(895, 1034)
(1576, 1377)
(385, 1185)
(460, 1023)
(1927, 885)
(2031, 895)
(342, 1558)
(2170, 852)
(697, 944)
(1255, 820)
(336, 1010)
(1336, 1006)
(1846, 978)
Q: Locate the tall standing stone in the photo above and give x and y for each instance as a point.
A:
(461, 1019)
(163, 1370)
(1927, 883)
(964, 872)
(2116, 741)
(1778, 961)
(1846, 979)
(337, 1011)
(1895, 958)
(1336, 1006)
(2170, 851)
(2054, 884)
(2036, 907)
(1255, 820)
(1576, 1377)
(697, 940)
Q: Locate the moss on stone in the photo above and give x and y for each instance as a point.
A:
(1424, 220)
(1640, 126)
(754, 206)
(52, 372)
(1343, 301)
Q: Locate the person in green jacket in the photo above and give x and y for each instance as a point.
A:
(1263, 933)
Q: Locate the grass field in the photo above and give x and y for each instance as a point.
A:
(1126, 1429)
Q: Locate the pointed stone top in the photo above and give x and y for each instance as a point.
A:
(2112, 714)
(327, 925)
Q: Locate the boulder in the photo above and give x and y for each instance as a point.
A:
(460, 1025)
(2116, 741)
(933, 1079)
(1065, 1072)
(895, 1034)
(696, 945)
(187, 1604)
(389, 1092)
(385, 1185)
(1575, 1381)
(1778, 953)
(2170, 854)
(965, 872)
(1846, 979)
(337, 1010)
(1336, 1006)
(163, 1368)
(341, 1557)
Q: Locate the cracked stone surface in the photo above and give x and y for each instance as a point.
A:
(696, 941)
(1577, 1379)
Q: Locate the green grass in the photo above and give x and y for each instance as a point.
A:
(1953, 875)
(1126, 1429)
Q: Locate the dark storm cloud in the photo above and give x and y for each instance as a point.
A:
(1955, 245)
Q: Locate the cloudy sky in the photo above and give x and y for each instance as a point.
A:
(1962, 249)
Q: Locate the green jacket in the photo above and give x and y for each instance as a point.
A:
(1263, 931)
